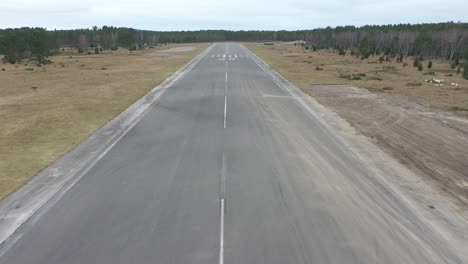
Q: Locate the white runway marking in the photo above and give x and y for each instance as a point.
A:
(225, 93)
(225, 110)
(221, 233)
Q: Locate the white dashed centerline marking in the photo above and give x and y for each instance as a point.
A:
(225, 110)
(221, 233)
(222, 195)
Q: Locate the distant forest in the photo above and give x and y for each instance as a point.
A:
(447, 41)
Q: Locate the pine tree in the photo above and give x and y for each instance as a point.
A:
(420, 66)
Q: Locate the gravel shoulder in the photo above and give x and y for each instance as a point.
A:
(431, 142)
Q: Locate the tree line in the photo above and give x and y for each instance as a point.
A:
(448, 41)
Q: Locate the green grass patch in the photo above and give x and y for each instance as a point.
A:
(458, 108)
(429, 73)
(414, 84)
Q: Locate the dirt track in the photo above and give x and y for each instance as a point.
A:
(431, 142)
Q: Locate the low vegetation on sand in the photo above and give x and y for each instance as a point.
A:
(46, 110)
(439, 86)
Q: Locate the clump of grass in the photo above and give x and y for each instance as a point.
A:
(29, 69)
(103, 68)
(387, 88)
(34, 88)
(344, 76)
(374, 78)
(388, 68)
(429, 73)
(449, 75)
(414, 84)
(352, 77)
(318, 68)
(458, 108)
(3, 69)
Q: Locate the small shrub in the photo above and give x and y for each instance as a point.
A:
(420, 66)
(3, 69)
(405, 64)
(388, 68)
(9, 59)
(374, 78)
(458, 108)
(89, 52)
(103, 68)
(381, 59)
(465, 71)
(306, 47)
(387, 88)
(453, 65)
(416, 62)
(429, 65)
(361, 74)
(135, 48)
(354, 77)
(96, 51)
(318, 68)
(114, 48)
(29, 69)
(344, 76)
(449, 75)
(342, 52)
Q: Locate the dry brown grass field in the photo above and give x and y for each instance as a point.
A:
(46, 111)
(300, 66)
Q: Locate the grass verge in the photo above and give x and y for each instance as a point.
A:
(46, 111)
(299, 66)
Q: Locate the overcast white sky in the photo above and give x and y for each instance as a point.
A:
(222, 14)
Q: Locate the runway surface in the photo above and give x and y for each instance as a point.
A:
(227, 167)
